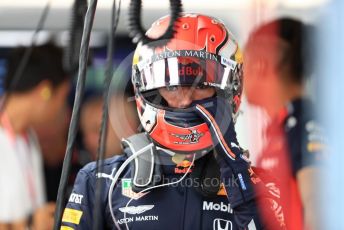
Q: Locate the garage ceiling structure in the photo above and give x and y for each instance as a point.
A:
(18, 18)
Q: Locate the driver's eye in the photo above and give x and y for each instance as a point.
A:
(171, 88)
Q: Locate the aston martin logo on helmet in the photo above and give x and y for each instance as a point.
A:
(203, 52)
(190, 138)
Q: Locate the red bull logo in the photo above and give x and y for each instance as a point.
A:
(183, 166)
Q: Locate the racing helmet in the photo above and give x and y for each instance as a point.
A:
(203, 53)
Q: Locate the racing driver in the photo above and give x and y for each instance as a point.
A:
(186, 170)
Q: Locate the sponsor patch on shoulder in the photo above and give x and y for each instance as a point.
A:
(71, 216)
(315, 147)
(66, 228)
(315, 137)
(75, 198)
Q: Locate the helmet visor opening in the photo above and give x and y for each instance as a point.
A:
(214, 71)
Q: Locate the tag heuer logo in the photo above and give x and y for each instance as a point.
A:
(136, 209)
(128, 192)
(191, 138)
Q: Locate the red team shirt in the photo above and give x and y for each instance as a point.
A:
(293, 142)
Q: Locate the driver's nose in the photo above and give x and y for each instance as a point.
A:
(184, 97)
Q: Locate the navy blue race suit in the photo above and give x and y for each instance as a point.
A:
(179, 206)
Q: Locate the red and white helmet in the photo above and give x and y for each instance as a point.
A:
(202, 53)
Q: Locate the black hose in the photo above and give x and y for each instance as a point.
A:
(138, 33)
(73, 128)
(72, 50)
(24, 60)
(104, 125)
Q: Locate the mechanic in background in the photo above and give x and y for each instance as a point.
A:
(123, 124)
(36, 98)
(277, 62)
